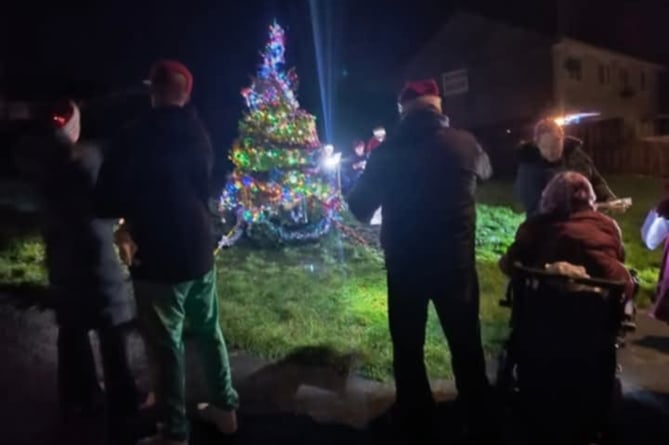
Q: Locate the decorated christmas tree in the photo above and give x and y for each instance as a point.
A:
(278, 191)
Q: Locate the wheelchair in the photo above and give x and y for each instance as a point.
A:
(558, 368)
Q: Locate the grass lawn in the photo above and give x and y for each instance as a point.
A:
(333, 293)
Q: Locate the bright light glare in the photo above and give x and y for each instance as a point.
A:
(572, 118)
(332, 161)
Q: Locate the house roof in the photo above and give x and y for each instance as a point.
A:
(571, 41)
(468, 27)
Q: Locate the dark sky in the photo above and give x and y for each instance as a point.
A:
(84, 47)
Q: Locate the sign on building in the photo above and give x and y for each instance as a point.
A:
(454, 83)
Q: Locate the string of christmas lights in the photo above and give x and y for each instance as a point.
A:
(276, 190)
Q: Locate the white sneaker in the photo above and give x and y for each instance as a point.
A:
(225, 421)
(158, 440)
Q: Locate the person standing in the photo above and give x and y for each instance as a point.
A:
(85, 276)
(549, 153)
(157, 179)
(376, 140)
(427, 233)
(355, 164)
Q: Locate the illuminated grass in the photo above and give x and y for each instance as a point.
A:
(273, 303)
(333, 293)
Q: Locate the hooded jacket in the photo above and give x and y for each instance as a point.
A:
(85, 275)
(157, 178)
(424, 177)
(534, 173)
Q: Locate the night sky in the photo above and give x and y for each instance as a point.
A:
(90, 49)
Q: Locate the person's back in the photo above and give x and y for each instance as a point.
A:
(85, 277)
(80, 255)
(586, 238)
(80, 247)
(158, 180)
(424, 178)
(428, 178)
(168, 168)
(570, 230)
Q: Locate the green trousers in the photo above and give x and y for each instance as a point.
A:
(162, 309)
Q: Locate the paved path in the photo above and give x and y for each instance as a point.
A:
(282, 402)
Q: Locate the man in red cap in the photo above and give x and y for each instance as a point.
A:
(158, 180)
(424, 178)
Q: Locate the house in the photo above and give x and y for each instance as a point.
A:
(498, 79)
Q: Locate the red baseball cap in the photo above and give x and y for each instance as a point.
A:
(171, 74)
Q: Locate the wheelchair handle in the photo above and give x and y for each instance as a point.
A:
(595, 282)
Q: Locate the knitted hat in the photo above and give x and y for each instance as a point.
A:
(65, 116)
(172, 76)
(419, 94)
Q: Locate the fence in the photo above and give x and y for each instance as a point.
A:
(610, 143)
(614, 151)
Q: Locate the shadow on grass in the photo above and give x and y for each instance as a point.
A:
(274, 387)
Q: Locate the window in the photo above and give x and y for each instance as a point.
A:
(624, 77)
(643, 80)
(602, 74)
(574, 68)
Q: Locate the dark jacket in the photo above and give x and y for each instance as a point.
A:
(157, 178)
(534, 173)
(85, 274)
(587, 238)
(424, 177)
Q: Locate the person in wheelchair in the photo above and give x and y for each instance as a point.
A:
(569, 236)
(572, 365)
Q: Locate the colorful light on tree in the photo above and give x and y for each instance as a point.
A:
(277, 189)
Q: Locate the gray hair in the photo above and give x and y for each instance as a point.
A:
(566, 193)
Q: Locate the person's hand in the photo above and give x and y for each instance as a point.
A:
(126, 246)
(567, 269)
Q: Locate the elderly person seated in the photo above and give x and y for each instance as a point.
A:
(569, 236)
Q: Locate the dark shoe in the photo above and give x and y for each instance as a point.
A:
(128, 431)
(91, 408)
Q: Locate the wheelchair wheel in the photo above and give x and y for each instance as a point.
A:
(610, 430)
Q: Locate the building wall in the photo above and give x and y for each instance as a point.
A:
(508, 70)
(589, 79)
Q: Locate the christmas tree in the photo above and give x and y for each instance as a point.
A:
(277, 192)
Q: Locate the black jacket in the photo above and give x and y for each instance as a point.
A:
(534, 173)
(157, 178)
(85, 274)
(424, 177)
